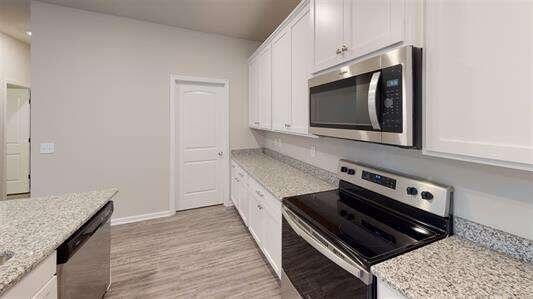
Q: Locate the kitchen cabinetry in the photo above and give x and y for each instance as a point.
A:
(239, 191)
(281, 80)
(385, 291)
(253, 99)
(260, 90)
(261, 212)
(290, 52)
(40, 283)
(347, 29)
(478, 103)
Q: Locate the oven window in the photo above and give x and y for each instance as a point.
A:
(341, 104)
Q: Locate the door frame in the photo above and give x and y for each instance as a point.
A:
(3, 132)
(175, 143)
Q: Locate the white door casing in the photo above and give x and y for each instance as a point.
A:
(17, 141)
(199, 157)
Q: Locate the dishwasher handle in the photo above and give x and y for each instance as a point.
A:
(76, 241)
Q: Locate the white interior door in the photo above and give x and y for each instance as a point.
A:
(202, 142)
(17, 141)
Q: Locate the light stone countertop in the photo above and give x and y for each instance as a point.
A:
(280, 179)
(32, 228)
(456, 267)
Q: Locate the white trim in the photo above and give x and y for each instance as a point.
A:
(173, 142)
(137, 218)
(478, 160)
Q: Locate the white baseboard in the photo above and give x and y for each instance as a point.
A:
(142, 217)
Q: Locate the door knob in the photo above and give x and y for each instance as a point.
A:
(220, 154)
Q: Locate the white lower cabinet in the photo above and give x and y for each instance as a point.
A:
(385, 291)
(40, 283)
(261, 212)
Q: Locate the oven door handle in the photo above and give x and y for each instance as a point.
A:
(373, 101)
(326, 248)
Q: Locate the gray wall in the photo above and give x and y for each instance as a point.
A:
(101, 93)
(498, 197)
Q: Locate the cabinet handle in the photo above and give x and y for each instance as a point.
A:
(259, 193)
(259, 207)
(344, 48)
(237, 180)
(339, 51)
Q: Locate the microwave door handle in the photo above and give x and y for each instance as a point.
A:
(372, 100)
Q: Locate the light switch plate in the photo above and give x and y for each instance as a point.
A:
(47, 148)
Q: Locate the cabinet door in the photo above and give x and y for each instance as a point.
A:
(265, 89)
(302, 56)
(370, 25)
(327, 23)
(255, 217)
(281, 80)
(253, 99)
(272, 239)
(478, 92)
(243, 196)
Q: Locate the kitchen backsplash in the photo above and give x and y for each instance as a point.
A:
(498, 240)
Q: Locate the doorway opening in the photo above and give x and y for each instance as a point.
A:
(17, 141)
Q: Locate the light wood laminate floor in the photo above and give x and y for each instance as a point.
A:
(201, 253)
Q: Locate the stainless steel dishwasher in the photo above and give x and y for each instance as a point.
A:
(83, 260)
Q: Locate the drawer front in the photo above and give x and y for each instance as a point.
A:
(49, 291)
(269, 202)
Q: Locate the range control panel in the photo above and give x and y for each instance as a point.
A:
(413, 191)
(379, 179)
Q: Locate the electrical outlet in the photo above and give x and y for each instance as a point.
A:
(312, 151)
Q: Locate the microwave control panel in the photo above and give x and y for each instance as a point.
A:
(391, 108)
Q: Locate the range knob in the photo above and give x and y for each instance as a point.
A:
(351, 171)
(344, 169)
(412, 191)
(426, 195)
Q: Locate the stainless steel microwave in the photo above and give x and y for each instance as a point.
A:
(375, 100)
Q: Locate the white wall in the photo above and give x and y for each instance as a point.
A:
(14, 60)
(498, 197)
(101, 93)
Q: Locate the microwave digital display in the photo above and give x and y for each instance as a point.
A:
(394, 82)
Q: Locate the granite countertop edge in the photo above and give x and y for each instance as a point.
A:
(326, 185)
(8, 278)
(456, 267)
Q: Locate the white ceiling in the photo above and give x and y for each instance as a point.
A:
(15, 18)
(248, 19)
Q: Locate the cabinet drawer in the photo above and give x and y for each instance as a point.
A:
(33, 282)
(269, 202)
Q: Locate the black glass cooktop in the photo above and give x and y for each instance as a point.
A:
(369, 226)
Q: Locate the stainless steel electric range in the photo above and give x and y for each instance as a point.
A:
(331, 239)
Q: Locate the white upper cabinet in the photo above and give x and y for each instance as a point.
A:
(478, 101)
(265, 89)
(301, 57)
(347, 29)
(284, 67)
(327, 22)
(281, 80)
(253, 88)
(371, 25)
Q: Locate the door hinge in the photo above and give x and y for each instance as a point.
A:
(29, 176)
(29, 140)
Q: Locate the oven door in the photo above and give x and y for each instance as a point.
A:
(315, 268)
